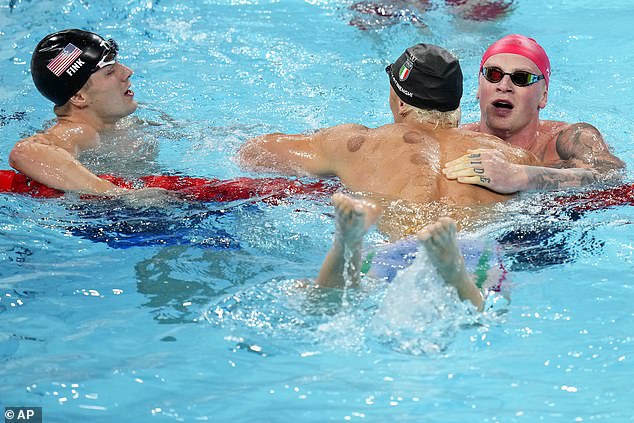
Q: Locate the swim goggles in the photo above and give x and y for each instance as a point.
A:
(111, 48)
(519, 78)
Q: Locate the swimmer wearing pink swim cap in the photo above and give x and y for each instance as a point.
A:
(522, 46)
(513, 86)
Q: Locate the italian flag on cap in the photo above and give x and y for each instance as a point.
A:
(403, 73)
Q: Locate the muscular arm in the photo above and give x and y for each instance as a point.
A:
(582, 146)
(585, 160)
(41, 160)
(315, 154)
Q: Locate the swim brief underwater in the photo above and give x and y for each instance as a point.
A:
(480, 259)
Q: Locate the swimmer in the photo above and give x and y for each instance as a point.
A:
(78, 71)
(373, 14)
(400, 160)
(512, 89)
(342, 266)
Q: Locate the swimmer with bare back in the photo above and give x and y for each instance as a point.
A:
(400, 160)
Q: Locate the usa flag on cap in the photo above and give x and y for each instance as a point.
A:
(62, 61)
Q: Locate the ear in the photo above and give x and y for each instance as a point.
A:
(79, 100)
(544, 100)
(401, 107)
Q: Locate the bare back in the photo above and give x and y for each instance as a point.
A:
(404, 161)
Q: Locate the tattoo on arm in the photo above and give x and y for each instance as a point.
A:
(545, 178)
(582, 146)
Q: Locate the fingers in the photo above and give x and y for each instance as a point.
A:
(473, 159)
(471, 171)
(472, 168)
(478, 154)
(475, 180)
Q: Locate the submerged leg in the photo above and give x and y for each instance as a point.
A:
(353, 217)
(439, 239)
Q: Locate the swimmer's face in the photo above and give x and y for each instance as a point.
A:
(505, 108)
(108, 92)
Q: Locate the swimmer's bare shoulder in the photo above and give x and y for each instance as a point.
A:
(70, 137)
(50, 158)
(298, 154)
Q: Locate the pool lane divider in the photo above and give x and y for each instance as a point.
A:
(200, 189)
(274, 189)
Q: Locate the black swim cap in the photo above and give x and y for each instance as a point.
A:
(428, 77)
(63, 61)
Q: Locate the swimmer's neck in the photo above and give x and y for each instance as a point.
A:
(80, 119)
(524, 138)
(81, 131)
(410, 119)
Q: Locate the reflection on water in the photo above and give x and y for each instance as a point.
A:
(122, 225)
(178, 281)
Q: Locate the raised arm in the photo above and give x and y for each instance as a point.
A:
(41, 160)
(314, 154)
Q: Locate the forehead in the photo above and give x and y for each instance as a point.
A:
(510, 62)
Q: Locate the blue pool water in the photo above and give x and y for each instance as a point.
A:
(209, 327)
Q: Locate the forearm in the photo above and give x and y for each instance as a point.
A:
(545, 178)
(57, 169)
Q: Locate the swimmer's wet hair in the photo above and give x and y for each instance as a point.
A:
(444, 120)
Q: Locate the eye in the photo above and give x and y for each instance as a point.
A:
(496, 74)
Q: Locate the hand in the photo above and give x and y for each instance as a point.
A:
(488, 168)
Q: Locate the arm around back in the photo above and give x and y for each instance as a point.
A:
(315, 154)
(585, 159)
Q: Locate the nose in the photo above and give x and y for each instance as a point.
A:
(126, 72)
(505, 84)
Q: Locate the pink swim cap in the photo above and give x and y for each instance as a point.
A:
(523, 46)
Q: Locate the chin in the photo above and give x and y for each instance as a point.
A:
(133, 106)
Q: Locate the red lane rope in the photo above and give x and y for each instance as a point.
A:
(201, 189)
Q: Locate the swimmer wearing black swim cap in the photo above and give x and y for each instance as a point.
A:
(63, 61)
(78, 71)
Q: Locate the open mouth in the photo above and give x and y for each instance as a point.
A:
(129, 93)
(503, 104)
